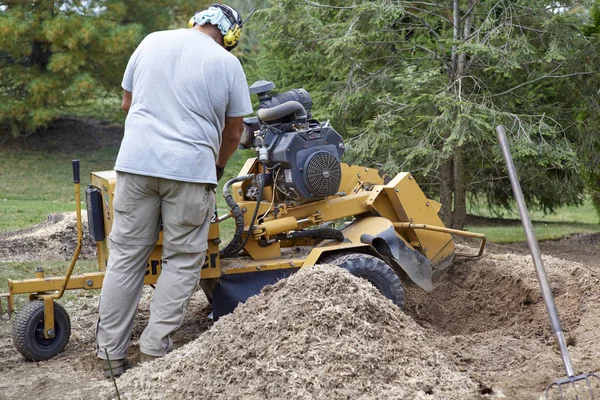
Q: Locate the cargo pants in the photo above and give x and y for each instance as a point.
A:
(140, 203)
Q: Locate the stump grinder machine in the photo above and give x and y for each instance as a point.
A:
(294, 205)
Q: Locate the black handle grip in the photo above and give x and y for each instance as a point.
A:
(76, 171)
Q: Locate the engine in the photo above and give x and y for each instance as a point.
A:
(301, 154)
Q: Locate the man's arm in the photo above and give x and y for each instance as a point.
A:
(126, 101)
(230, 140)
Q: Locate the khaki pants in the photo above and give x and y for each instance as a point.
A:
(139, 205)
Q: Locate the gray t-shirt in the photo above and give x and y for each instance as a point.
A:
(183, 86)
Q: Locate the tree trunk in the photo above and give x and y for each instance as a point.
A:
(446, 171)
(456, 37)
(596, 195)
(41, 51)
(40, 55)
(459, 214)
(446, 186)
(453, 190)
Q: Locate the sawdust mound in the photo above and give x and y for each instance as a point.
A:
(322, 333)
(54, 239)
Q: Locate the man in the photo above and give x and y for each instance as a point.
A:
(185, 96)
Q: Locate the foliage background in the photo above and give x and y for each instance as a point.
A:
(56, 55)
(411, 92)
(411, 85)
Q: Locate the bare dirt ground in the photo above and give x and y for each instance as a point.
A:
(481, 334)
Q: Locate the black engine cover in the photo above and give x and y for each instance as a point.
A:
(309, 161)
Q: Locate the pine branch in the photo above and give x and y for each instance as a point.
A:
(539, 79)
(315, 4)
(441, 17)
(427, 4)
(429, 28)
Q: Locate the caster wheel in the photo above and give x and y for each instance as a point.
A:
(28, 332)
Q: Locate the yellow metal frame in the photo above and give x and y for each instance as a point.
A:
(369, 196)
(64, 281)
(480, 236)
(39, 287)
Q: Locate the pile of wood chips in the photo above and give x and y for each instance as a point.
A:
(322, 333)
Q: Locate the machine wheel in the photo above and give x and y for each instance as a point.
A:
(28, 332)
(374, 270)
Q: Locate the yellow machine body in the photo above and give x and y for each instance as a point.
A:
(399, 200)
(375, 203)
(390, 219)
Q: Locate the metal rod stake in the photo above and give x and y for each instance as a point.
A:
(535, 253)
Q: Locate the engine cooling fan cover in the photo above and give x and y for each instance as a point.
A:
(322, 173)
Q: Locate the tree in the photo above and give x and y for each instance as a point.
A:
(421, 85)
(59, 53)
(590, 143)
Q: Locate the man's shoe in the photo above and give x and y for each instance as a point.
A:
(147, 357)
(118, 367)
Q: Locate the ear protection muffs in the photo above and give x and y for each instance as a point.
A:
(232, 36)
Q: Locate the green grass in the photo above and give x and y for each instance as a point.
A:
(585, 214)
(35, 184)
(543, 231)
(20, 214)
(37, 176)
(506, 227)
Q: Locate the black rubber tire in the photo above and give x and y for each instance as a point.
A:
(28, 332)
(374, 270)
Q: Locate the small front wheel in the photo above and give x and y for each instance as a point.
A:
(28, 332)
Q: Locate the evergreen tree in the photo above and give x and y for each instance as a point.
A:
(420, 86)
(59, 53)
(590, 139)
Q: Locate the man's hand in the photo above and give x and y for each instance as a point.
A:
(220, 172)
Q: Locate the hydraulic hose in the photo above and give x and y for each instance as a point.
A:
(318, 234)
(262, 188)
(282, 110)
(233, 246)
